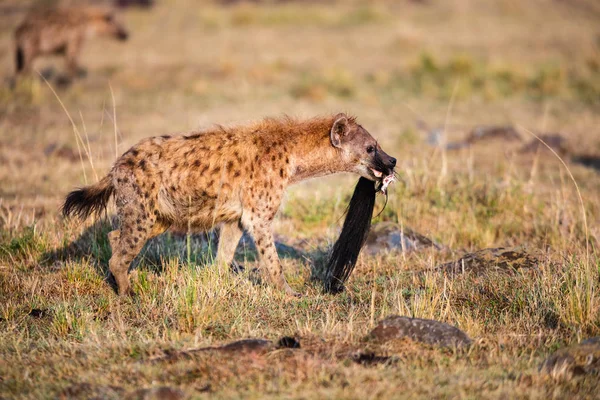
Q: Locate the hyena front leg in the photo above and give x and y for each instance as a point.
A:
(262, 233)
(71, 56)
(229, 237)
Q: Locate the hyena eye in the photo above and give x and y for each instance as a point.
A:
(370, 149)
(108, 18)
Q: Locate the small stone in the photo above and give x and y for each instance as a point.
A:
(481, 133)
(247, 346)
(554, 140)
(419, 330)
(575, 360)
(390, 236)
(500, 259)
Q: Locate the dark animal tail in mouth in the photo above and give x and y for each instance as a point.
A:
(354, 233)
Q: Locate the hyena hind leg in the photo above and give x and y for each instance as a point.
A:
(126, 243)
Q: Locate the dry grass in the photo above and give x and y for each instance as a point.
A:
(532, 64)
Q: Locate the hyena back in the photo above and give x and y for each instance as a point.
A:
(233, 177)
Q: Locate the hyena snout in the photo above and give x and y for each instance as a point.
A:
(384, 163)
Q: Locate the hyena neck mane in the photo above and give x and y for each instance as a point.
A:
(311, 150)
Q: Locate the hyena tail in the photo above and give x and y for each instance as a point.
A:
(19, 59)
(88, 200)
(354, 234)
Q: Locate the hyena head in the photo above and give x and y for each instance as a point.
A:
(106, 23)
(360, 151)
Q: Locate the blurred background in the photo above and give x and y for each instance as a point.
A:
(456, 90)
(448, 87)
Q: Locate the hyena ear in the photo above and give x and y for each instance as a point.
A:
(339, 130)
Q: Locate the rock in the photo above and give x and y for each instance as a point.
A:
(594, 340)
(370, 358)
(502, 259)
(578, 359)
(84, 390)
(420, 330)
(484, 134)
(134, 3)
(481, 133)
(390, 236)
(554, 140)
(244, 346)
(256, 345)
(157, 393)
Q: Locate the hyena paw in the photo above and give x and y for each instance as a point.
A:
(291, 292)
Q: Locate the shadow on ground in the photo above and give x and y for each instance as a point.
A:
(199, 249)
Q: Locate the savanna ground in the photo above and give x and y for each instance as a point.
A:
(453, 65)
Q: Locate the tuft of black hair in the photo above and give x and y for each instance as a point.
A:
(88, 200)
(354, 234)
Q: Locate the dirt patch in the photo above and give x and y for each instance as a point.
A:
(238, 347)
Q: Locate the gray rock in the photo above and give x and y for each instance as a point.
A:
(555, 140)
(240, 347)
(390, 236)
(420, 330)
(482, 133)
(578, 359)
(500, 259)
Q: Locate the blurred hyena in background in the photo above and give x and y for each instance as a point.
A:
(62, 31)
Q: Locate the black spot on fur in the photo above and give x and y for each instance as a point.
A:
(19, 59)
(197, 163)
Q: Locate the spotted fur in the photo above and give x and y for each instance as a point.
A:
(232, 177)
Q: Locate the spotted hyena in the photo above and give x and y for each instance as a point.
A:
(232, 177)
(62, 31)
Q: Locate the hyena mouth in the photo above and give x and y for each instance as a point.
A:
(378, 174)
